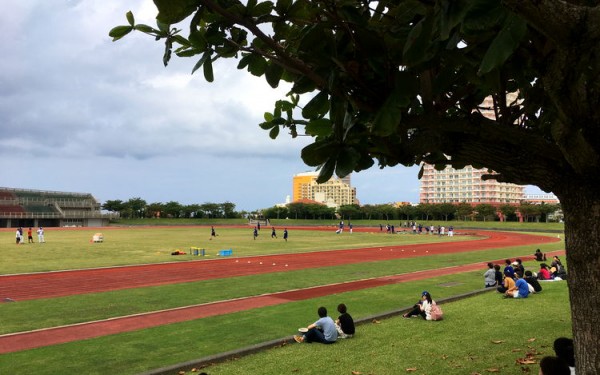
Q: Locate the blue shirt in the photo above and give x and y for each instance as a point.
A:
(523, 288)
(509, 272)
(328, 326)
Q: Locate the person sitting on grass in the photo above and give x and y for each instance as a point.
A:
(422, 308)
(557, 269)
(344, 323)
(554, 366)
(563, 347)
(543, 273)
(507, 284)
(518, 267)
(531, 280)
(498, 275)
(539, 256)
(323, 330)
(520, 290)
(489, 277)
(509, 271)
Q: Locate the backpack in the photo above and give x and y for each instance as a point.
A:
(436, 312)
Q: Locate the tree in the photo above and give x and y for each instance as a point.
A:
(464, 210)
(508, 210)
(228, 209)
(445, 210)
(135, 207)
(349, 211)
(529, 210)
(173, 209)
(405, 82)
(211, 210)
(485, 211)
(547, 209)
(154, 209)
(113, 205)
(427, 210)
(406, 210)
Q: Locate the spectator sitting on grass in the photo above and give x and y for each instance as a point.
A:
(507, 284)
(518, 267)
(489, 277)
(423, 307)
(543, 273)
(344, 323)
(531, 280)
(553, 366)
(509, 271)
(563, 347)
(498, 275)
(323, 330)
(539, 256)
(520, 290)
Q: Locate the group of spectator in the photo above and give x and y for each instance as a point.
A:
(514, 281)
(325, 330)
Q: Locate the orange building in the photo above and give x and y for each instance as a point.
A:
(335, 192)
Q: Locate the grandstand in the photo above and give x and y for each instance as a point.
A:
(34, 208)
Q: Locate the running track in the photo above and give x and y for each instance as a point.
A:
(64, 283)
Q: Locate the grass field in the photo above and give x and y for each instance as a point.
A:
(386, 348)
(72, 249)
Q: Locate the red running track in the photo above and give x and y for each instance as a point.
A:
(51, 336)
(64, 283)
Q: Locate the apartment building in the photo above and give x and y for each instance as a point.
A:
(465, 185)
(334, 193)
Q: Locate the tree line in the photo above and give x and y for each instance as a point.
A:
(423, 211)
(136, 208)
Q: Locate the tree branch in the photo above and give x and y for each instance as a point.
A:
(285, 58)
(558, 20)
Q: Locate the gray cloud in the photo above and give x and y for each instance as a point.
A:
(79, 112)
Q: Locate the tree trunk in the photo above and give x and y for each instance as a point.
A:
(581, 206)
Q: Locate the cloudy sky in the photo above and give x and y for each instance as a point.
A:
(81, 113)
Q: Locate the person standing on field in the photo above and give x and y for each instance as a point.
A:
(40, 233)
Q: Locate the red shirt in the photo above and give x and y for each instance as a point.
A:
(545, 274)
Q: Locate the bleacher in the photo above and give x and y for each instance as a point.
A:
(40, 209)
(25, 207)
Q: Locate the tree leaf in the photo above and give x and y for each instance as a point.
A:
(171, 12)
(504, 44)
(208, 68)
(326, 171)
(389, 115)
(452, 14)
(257, 65)
(130, 18)
(418, 42)
(273, 74)
(319, 127)
(317, 153)
(144, 28)
(118, 32)
(346, 161)
(317, 106)
(274, 132)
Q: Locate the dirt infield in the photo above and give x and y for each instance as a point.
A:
(56, 284)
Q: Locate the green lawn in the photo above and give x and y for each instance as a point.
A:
(481, 318)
